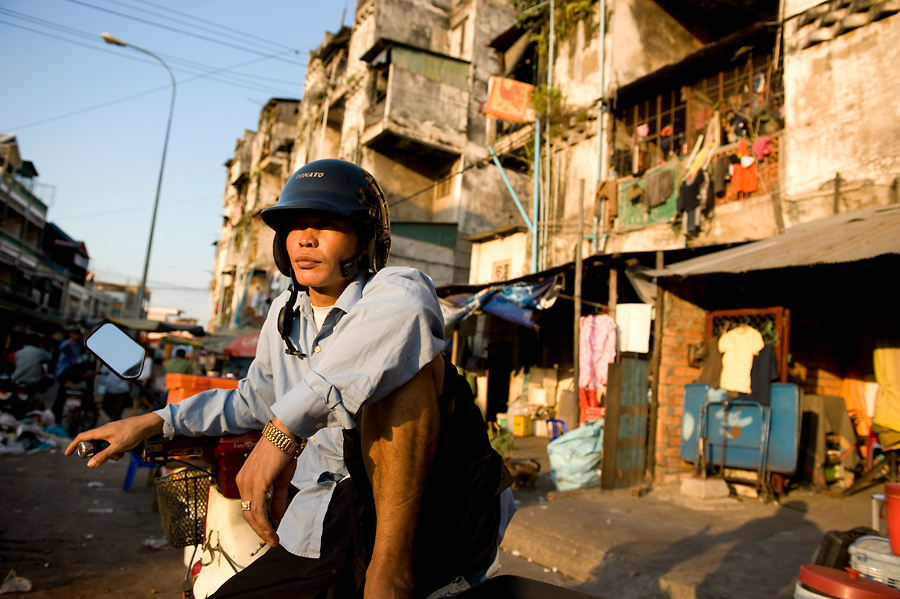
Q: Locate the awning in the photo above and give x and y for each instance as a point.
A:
(848, 237)
(158, 326)
(516, 302)
(243, 346)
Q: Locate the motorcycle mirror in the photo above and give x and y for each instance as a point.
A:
(121, 354)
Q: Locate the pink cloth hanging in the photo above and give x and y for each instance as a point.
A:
(597, 349)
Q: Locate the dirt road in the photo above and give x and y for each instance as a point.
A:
(74, 533)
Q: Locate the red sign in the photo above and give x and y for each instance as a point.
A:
(509, 100)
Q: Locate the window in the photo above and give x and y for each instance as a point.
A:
(443, 188)
(659, 128)
(459, 38)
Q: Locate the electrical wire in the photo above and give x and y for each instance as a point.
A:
(234, 83)
(475, 164)
(126, 98)
(248, 35)
(93, 37)
(181, 31)
(271, 45)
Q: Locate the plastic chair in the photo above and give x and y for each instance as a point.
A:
(557, 428)
(133, 465)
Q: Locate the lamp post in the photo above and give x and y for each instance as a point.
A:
(111, 39)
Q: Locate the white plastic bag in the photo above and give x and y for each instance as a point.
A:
(575, 457)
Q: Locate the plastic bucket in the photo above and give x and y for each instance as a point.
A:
(879, 518)
(892, 509)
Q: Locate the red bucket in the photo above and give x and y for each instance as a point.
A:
(892, 509)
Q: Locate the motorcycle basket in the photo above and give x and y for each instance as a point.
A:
(182, 506)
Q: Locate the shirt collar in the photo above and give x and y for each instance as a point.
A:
(348, 298)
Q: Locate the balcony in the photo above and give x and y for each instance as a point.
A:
(423, 114)
(731, 217)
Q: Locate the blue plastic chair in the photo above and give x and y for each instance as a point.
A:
(133, 465)
(557, 428)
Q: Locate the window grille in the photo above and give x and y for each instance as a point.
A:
(772, 323)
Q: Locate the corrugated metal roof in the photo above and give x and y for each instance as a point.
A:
(845, 237)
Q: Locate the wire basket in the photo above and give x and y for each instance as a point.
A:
(182, 506)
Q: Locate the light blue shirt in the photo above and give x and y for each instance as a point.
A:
(383, 330)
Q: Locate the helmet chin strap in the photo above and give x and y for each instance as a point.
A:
(362, 263)
(286, 320)
(350, 270)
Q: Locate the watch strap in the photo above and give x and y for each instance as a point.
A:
(282, 441)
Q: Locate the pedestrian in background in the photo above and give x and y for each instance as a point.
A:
(179, 364)
(69, 351)
(117, 396)
(30, 362)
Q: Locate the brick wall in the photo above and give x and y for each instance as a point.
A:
(683, 324)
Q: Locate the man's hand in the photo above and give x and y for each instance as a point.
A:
(267, 467)
(122, 435)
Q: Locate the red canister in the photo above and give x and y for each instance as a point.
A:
(892, 509)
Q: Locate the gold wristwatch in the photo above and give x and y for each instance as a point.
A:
(282, 441)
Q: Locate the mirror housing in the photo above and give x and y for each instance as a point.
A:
(122, 355)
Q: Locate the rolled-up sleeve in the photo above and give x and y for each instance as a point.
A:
(220, 412)
(394, 330)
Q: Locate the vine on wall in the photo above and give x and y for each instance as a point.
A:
(566, 16)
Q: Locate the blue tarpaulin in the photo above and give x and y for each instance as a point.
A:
(516, 302)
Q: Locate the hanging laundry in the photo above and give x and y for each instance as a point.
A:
(762, 147)
(634, 192)
(689, 193)
(738, 346)
(721, 173)
(707, 198)
(633, 327)
(659, 187)
(597, 350)
(853, 390)
(887, 372)
(744, 180)
(711, 369)
(762, 374)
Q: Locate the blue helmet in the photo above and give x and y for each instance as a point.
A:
(338, 187)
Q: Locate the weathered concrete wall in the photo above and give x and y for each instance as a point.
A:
(427, 110)
(436, 261)
(569, 167)
(576, 66)
(486, 201)
(399, 183)
(645, 38)
(483, 200)
(418, 23)
(841, 110)
(484, 255)
(752, 219)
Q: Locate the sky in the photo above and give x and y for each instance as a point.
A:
(92, 118)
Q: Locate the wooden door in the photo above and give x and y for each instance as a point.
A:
(625, 428)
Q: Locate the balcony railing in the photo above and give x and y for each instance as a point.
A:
(635, 212)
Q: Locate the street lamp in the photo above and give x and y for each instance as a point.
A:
(111, 39)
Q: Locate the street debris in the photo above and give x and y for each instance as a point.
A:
(15, 584)
(155, 543)
(36, 431)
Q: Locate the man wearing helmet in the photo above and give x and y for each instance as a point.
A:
(349, 359)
